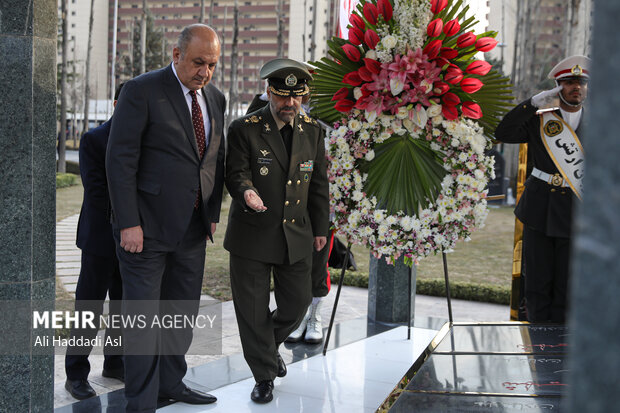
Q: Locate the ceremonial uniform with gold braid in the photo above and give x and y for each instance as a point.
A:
(295, 191)
(546, 212)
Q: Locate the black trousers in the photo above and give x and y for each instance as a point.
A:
(99, 276)
(260, 329)
(160, 275)
(546, 276)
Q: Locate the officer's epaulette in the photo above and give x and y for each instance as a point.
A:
(253, 119)
(308, 119)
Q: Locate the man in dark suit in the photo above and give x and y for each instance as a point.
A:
(99, 273)
(545, 208)
(165, 165)
(276, 174)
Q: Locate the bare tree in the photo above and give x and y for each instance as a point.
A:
(222, 62)
(87, 74)
(233, 90)
(211, 13)
(143, 38)
(62, 136)
(201, 19)
(280, 25)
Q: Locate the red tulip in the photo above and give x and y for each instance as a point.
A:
(352, 52)
(432, 49)
(438, 5)
(486, 44)
(439, 88)
(370, 13)
(365, 74)
(448, 53)
(352, 79)
(371, 38)
(357, 21)
(451, 28)
(434, 28)
(385, 8)
(478, 67)
(471, 110)
(471, 85)
(466, 40)
(344, 105)
(342, 93)
(372, 65)
(356, 36)
(441, 61)
(449, 112)
(450, 99)
(453, 75)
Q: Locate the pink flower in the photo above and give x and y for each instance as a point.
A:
(372, 65)
(485, 44)
(478, 67)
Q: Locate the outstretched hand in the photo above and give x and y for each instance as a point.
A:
(254, 201)
(547, 98)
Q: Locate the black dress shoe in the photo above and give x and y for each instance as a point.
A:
(190, 396)
(281, 366)
(118, 374)
(263, 391)
(80, 389)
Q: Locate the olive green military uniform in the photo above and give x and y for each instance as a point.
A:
(295, 191)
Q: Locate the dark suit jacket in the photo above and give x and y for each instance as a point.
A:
(94, 232)
(154, 169)
(540, 208)
(297, 201)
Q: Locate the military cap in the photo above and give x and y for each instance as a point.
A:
(286, 77)
(573, 66)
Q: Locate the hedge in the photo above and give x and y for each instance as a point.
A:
(436, 287)
(64, 180)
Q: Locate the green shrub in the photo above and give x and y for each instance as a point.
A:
(65, 180)
(436, 287)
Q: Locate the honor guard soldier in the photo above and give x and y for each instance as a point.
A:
(545, 208)
(276, 174)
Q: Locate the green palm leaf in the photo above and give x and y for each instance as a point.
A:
(405, 175)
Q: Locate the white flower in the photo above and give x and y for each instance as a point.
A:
(396, 86)
(355, 125)
(364, 135)
(357, 93)
(371, 54)
(370, 155)
(371, 116)
(357, 196)
(389, 42)
(433, 110)
(379, 216)
(402, 113)
(437, 120)
(419, 116)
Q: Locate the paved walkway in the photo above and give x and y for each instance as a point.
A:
(353, 305)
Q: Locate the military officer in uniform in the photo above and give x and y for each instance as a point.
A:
(276, 174)
(545, 208)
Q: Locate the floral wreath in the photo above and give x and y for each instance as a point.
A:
(412, 111)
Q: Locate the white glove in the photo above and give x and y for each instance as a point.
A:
(547, 98)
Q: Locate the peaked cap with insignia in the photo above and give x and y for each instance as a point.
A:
(286, 77)
(573, 66)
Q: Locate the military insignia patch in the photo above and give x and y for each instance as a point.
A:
(306, 166)
(267, 128)
(264, 152)
(290, 80)
(264, 170)
(306, 178)
(300, 128)
(264, 161)
(254, 119)
(553, 128)
(576, 70)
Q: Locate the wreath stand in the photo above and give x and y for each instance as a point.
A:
(345, 264)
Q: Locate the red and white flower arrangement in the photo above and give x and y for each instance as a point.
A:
(410, 103)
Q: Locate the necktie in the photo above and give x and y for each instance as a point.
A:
(199, 124)
(287, 136)
(199, 131)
